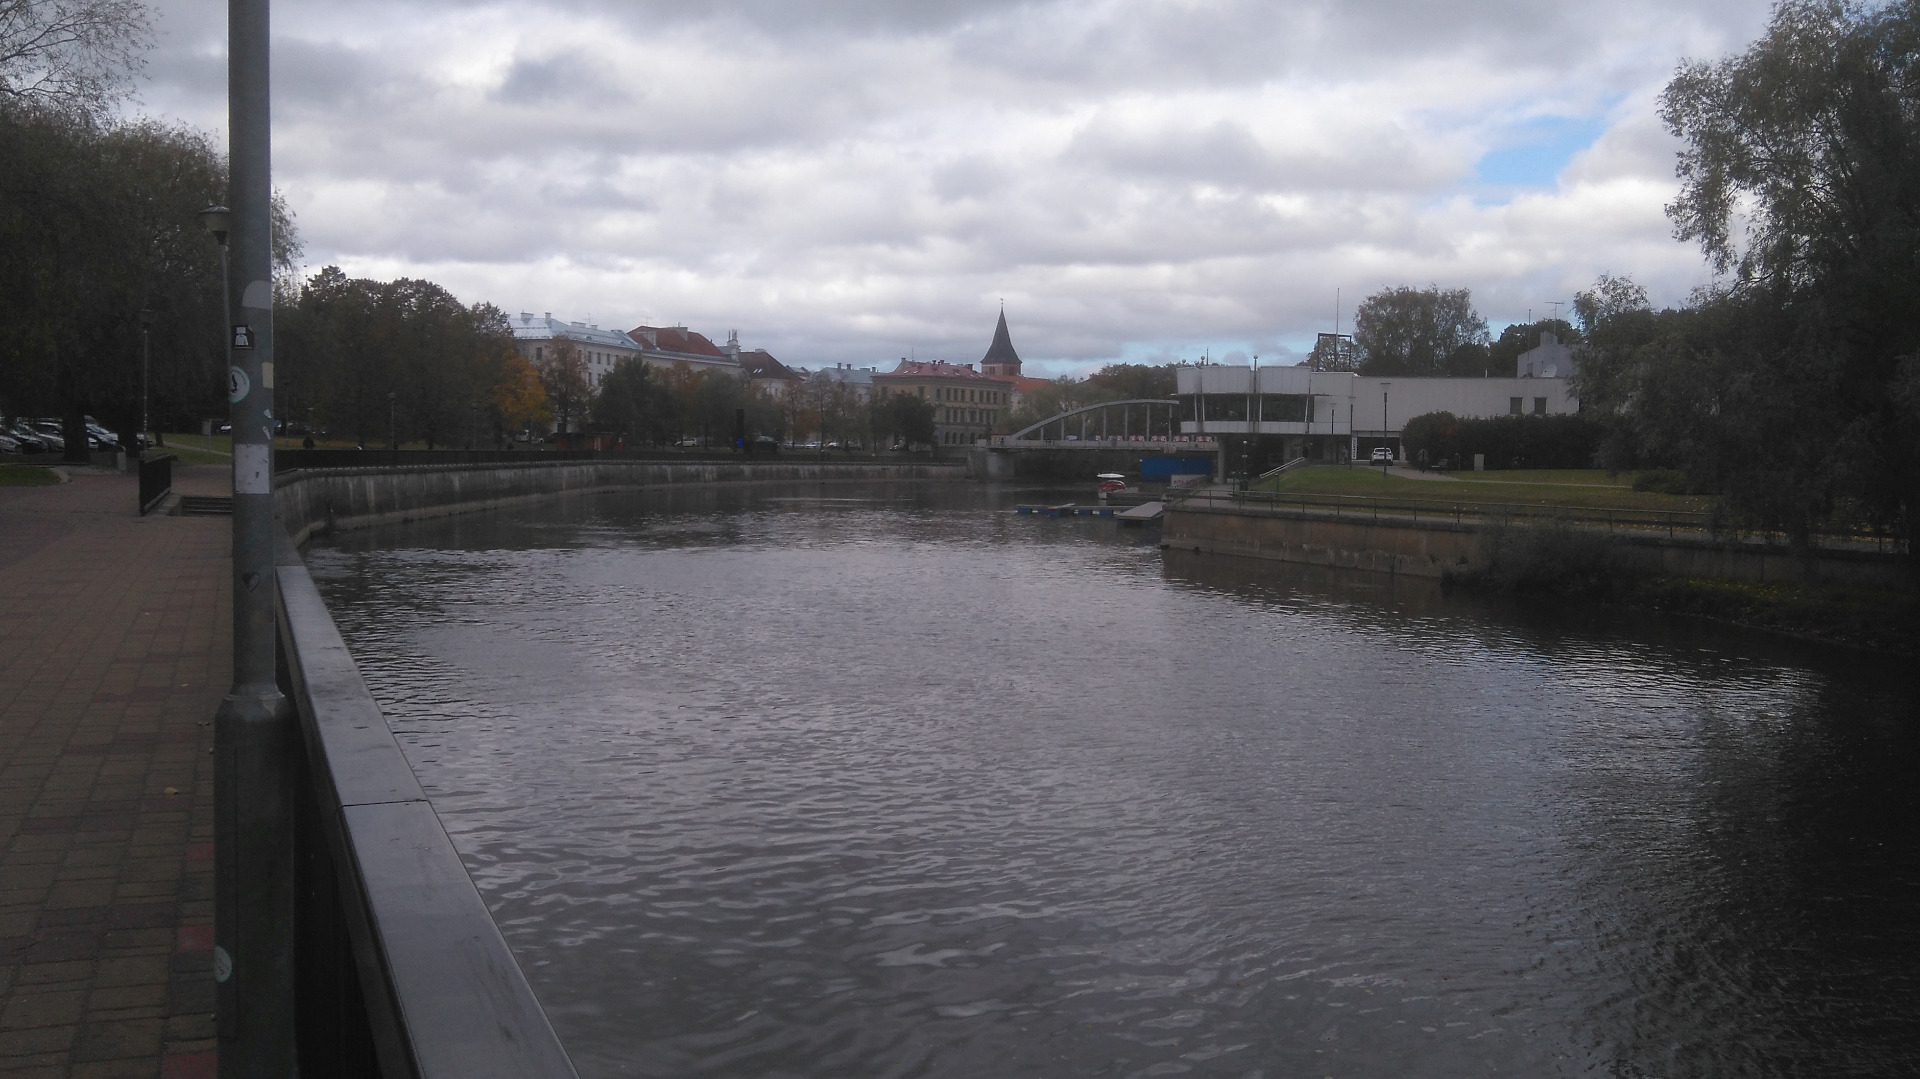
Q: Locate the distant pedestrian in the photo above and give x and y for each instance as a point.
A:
(307, 442)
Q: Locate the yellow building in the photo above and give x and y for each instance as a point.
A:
(965, 402)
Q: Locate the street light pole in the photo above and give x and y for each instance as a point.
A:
(254, 732)
(146, 367)
(1383, 428)
(393, 438)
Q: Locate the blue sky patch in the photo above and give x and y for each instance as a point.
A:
(1534, 153)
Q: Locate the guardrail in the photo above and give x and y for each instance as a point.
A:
(401, 972)
(156, 480)
(1640, 521)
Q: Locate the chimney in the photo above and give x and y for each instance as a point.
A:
(549, 314)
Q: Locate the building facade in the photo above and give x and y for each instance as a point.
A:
(664, 346)
(1340, 415)
(600, 350)
(966, 403)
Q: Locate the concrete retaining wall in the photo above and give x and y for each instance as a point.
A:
(1429, 548)
(323, 500)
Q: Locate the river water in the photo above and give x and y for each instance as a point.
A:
(887, 781)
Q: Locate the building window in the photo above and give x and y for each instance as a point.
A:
(1539, 406)
(1513, 406)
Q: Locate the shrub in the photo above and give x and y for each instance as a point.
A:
(1507, 441)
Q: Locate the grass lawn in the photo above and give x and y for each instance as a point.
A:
(13, 475)
(1591, 488)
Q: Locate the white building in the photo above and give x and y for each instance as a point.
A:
(536, 339)
(1548, 359)
(1322, 414)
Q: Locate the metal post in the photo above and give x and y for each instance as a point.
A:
(393, 437)
(146, 366)
(253, 731)
(1383, 425)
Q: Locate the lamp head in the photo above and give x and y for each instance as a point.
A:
(216, 219)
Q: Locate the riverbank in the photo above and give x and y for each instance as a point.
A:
(1561, 561)
(1852, 595)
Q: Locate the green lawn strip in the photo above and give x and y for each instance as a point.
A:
(219, 445)
(190, 455)
(13, 475)
(1513, 490)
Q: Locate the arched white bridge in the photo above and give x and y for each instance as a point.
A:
(1108, 424)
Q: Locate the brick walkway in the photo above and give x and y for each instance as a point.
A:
(114, 654)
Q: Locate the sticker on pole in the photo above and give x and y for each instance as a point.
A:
(252, 469)
(222, 964)
(237, 385)
(242, 335)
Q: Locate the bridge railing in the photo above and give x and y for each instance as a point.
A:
(400, 970)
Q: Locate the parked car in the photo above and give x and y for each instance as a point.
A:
(8, 444)
(1381, 456)
(30, 441)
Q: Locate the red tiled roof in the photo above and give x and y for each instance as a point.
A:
(1020, 383)
(934, 369)
(675, 339)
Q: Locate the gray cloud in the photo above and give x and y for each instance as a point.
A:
(849, 179)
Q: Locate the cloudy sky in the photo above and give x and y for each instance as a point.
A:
(857, 180)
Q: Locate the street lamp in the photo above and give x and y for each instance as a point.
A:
(146, 365)
(393, 438)
(217, 221)
(1383, 428)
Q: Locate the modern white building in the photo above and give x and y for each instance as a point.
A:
(1325, 414)
(601, 349)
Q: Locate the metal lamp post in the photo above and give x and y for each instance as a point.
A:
(393, 437)
(254, 732)
(146, 367)
(1383, 427)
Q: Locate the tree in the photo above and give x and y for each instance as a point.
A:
(71, 55)
(1419, 332)
(1132, 381)
(1800, 180)
(97, 224)
(563, 374)
(519, 401)
(905, 418)
(634, 403)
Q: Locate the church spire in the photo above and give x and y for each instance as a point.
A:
(1001, 359)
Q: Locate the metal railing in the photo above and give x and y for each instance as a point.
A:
(1671, 523)
(156, 480)
(1297, 462)
(400, 970)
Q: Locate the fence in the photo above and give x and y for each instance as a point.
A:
(156, 481)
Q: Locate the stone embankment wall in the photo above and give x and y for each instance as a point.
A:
(1426, 547)
(324, 500)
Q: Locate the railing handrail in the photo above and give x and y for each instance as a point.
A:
(1297, 462)
(156, 480)
(443, 995)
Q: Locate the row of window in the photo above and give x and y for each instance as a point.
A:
(966, 415)
(1514, 406)
(958, 394)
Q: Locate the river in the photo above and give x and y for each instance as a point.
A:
(887, 781)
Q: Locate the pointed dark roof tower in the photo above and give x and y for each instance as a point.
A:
(1001, 359)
